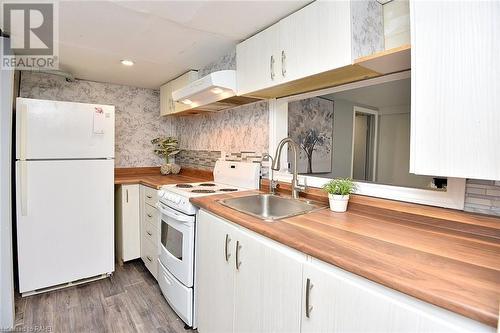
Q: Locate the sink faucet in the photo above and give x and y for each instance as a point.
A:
(296, 188)
(272, 183)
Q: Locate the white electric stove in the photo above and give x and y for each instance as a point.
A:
(178, 230)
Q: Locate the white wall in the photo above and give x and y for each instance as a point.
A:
(6, 266)
(393, 160)
(342, 138)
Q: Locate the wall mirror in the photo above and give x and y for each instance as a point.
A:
(360, 131)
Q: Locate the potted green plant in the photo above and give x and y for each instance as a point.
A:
(167, 147)
(338, 190)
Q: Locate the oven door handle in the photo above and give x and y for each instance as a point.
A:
(174, 215)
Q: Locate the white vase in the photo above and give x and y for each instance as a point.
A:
(166, 169)
(338, 203)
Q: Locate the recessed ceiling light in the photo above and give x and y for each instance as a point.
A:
(187, 101)
(127, 62)
(217, 90)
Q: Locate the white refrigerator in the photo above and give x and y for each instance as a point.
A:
(64, 192)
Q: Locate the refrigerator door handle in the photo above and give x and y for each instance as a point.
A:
(23, 129)
(23, 180)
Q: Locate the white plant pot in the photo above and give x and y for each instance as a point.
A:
(338, 203)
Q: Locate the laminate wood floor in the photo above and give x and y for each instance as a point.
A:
(128, 301)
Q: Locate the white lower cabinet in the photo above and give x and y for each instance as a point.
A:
(245, 282)
(127, 223)
(248, 283)
(340, 301)
(214, 274)
(150, 229)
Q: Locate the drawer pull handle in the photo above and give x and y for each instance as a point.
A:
(150, 234)
(309, 307)
(149, 197)
(227, 255)
(237, 261)
(271, 67)
(149, 215)
(149, 258)
(283, 63)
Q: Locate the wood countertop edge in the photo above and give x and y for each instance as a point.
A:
(151, 176)
(485, 314)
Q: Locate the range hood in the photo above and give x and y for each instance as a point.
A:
(214, 92)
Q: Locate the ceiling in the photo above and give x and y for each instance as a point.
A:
(381, 95)
(163, 38)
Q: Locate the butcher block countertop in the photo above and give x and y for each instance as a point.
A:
(445, 257)
(151, 176)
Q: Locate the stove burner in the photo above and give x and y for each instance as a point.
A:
(184, 185)
(206, 184)
(228, 189)
(203, 191)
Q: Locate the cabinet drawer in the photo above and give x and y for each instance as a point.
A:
(150, 233)
(150, 195)
(149, 255)
(151, 216)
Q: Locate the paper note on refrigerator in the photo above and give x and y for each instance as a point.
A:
(99, 120)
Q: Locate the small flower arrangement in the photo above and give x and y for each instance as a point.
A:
(338, 190)
(167, 147)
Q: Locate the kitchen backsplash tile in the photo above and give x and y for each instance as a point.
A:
(482, 196)
(199, 159)
(137, 118)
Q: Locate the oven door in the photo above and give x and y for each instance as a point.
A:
(177, 244)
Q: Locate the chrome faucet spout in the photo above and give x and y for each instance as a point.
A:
(296, 188)
(272, 183)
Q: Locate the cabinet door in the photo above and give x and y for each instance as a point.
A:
(257, 61)
(340, 301)
(128, 224)
(214, 274)
(315, 39)
(179, 83)
(267, 285)
(455, 118)
(166, 101)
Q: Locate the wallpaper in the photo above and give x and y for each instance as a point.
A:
(244, 128)
(227, 61)
(137, 115)
(367, 28)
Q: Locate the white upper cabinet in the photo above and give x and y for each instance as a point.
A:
(167, 105)
(455, 118)
(314, 40)
(257, 61)
(323, 36)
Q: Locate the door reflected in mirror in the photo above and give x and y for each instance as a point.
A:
(362, 133)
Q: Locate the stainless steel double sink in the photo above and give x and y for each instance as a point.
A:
(269, 207)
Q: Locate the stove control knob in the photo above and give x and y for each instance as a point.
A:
(161, 193)
(178, 201)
